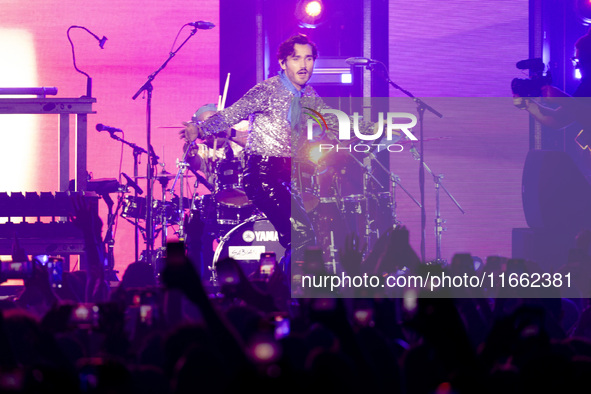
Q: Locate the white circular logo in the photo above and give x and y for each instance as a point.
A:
(248, 236)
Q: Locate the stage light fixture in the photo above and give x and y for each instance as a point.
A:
(310, 14)
(313, 8)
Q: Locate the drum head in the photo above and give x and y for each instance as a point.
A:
(232, 197)
(247, 241)
(229, 187)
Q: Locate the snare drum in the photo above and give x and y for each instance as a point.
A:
(135, 208)
(247, 241)
(305, 180)
(229, 184)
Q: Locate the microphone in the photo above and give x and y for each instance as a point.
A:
(359, 61)
(203, 181)
(153, 155)
(102, 42)
(202, 25)
(101, 127)
(132, 183)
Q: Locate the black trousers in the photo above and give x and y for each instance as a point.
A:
(267, 181)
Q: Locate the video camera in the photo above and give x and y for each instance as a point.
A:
(532, 86)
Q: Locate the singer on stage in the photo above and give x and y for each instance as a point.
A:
(274, 109)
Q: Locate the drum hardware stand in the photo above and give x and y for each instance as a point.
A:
(332, 250)
(109, 240)
(368, 221)
(439, 229)
(147, 87)
(367, 176)
(182, 166)
(421, 107)
(395, 181)
(137, 151)
(163, 183)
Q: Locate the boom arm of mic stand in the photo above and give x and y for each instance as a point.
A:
(148, 83)
(451, 197)
(437, 179)
(394, 178)
(130, 144)
(147, 86)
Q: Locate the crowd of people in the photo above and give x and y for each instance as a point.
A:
(173, 334)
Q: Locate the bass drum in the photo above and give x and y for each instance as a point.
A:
(247, 241)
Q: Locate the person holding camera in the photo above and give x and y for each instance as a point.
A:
(567, 110)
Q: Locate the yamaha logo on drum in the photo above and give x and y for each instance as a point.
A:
(248, 236)
(260, 236)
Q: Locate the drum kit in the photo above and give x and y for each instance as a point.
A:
(340, 191)
(339, 196)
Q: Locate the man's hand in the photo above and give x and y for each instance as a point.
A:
(190, 133)
(520, 102)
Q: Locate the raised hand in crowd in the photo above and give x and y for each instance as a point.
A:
(38, 294)
(393, 252)
(351, 256)
(179, 273)
(235, 284)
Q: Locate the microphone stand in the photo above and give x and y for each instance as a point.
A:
(367, 176)
(421, 107)
(137, 151)
(147, 87)
(102, 46)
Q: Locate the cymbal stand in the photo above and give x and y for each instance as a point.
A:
(333, 254)
(395, 181)
(182, 166)
(366, 195)
(439, 229)
(163, 183)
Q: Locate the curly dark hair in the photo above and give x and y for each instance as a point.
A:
(287, 47)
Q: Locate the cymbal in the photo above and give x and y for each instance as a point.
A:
(164, 176)
(170, 176)
(170, 127)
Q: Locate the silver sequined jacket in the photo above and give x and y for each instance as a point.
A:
(266, 106)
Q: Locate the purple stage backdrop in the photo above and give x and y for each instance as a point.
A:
(465, 49)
